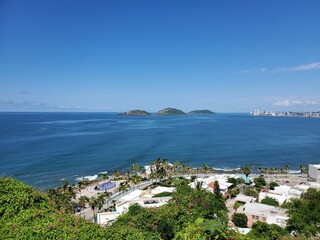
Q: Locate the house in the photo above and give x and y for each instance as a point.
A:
(243, 199)
(314, 172)
(281, 198)
(264, 213)
(208, 183)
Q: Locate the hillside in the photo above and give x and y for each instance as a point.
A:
(170, 111)
(26, 213)
(135, 112)
(201, 112)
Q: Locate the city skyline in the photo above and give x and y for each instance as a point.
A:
(120, 55)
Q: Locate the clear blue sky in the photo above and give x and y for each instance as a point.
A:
(226, 56)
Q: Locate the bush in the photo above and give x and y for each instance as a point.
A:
(270, 201)
(240, 220)
(163, 194)
(250, 192)
(234, 192)
(261, 230)
(272, 185)
(259, 182)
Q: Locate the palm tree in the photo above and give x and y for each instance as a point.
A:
(246, 171)
(134, 167)
(142, 171)
(123, 187)
(286, 167)
(83, 200)
(93, 202)
(199, 185)
(116, 173)
(205, 168)
(105, 177)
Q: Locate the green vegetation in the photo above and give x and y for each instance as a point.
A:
(240, 220)
(26, 213)
(29, 214)
(272, 185)
(170, 111)
(270, 201)
(259, 182)
(250, 191)
(201, 112)
(163, 194)
(263, 231)
(191, 213)
(305, 214)
(135, 112)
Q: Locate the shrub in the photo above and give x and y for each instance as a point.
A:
(270, 201)
(272, 185)
(240, 220)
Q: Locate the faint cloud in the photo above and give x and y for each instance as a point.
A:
(31, 105)
(303, 67)
(288, 103)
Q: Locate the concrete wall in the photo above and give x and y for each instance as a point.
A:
(314, 172)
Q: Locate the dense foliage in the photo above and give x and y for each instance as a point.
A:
(27, 214)
(261, 230)
(270, 201)
(191, 214)
(305, 214)
(240, 220)
(259, 182)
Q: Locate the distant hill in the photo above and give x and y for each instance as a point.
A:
(170, 111)
(135, 112)
(201, 112)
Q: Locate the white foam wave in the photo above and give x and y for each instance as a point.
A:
(227, 169)
(90, 178)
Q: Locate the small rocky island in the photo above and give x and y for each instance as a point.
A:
(201, 112)
(170, 111)
(135, 112)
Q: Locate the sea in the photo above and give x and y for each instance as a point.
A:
(41, 149)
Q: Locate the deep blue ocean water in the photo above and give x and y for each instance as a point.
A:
(42, 148)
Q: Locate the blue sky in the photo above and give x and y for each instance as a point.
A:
(226, 56)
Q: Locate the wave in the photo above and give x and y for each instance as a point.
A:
(226, 169)
(90, 178)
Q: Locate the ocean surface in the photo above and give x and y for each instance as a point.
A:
(41, 149)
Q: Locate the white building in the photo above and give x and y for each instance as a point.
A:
(208, 183)
(314, 172)
(264, 213)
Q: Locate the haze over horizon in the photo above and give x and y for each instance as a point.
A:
(121, 55)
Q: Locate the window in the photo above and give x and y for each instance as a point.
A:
(264, 219)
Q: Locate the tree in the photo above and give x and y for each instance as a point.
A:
(272, 185)
(205, 168)
(240, 220)
(134, 167)
(246, 171)
(259, 182)
(270, 201)
(305, 214)
(287, 168)
(262, 230)
(216, 189)
(199, 185)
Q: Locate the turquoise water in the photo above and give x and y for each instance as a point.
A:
(42, 148)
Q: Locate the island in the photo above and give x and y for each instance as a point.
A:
(201, 112)
(135, 112)
(170, 111)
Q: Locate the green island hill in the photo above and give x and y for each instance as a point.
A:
(170, 111)
(201, 112)
(135, 112)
